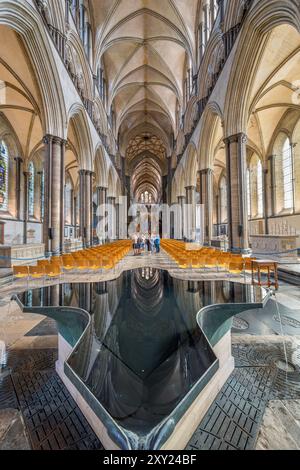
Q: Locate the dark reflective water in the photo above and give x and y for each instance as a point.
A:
(144, 351)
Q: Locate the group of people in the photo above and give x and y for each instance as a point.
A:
(145, 243)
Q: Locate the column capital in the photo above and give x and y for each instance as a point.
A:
(101, 188)
(48, 138)
(240, 137)
(205, 171)
(181, 198)
(190, 187)
(82, 172)
(18, 159)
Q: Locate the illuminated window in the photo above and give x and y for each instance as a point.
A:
(3, 176)
(260, 203)
(31, 178)
(287, 172)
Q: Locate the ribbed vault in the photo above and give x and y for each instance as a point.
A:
(138, 43)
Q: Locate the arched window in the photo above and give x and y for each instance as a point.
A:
(223, 200)
(255, 188)
(260, 204)
(146, 198)
(31, 178)
(287, 173)
(3, 176)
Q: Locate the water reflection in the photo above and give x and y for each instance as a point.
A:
(144, 350)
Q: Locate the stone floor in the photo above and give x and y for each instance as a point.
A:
(257, 408)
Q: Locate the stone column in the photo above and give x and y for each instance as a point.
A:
(82, 206)
(57, 195)
(221, 6)
(54, 193)
(26, 176)
(75, 216)
(19, 162)
(118, 208)
(101, 211)
(206, 199)
(272, 195)
(212, 12)
(191, 213)
(111, 202)
(62, 195)
(47, 190)
(170, 178)
(181, 202)
(266, 205)
(237, 192)
(206, 22)
(87, 208)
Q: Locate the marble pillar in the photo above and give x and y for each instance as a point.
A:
(118, 209)
(101, 214)
(82, 205)
(236, 167)
(26, 215)
(87, 208)
(111, 203)
(54, 194)
(181, 202)
(90, 176)
(19, 162)
(62, 196)
(206, 199)
(191, 213)
(272, 185)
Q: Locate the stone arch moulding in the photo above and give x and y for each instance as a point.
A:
(191, 165)
(77, 116)
(25, 21)
(212, 117)
(101, 168)
(262, 19)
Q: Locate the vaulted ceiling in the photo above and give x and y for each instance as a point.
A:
(144, 46)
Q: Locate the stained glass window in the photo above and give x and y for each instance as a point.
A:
(3, 176)
(31, 190)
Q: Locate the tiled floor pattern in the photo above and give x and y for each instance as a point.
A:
(235, 418)
(52, 419)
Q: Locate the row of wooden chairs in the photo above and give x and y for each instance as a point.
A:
(95, 259)
(206, 258)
